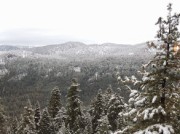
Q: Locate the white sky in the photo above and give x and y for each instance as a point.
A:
(89, 21)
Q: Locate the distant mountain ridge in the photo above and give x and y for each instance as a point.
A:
(8, 48)
(75, 50)
(31, 72)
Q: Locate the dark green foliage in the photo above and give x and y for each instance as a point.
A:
(14, 126)
(60, 119)
(103, 126)
(2, 119)
(45, 124)
(75, 119)
(107, 96)
(27, 124)
(41, 75)
(54, 102)
(88, 120)
(158, 102)
(115, 106)
(97, 110)
(37, 116)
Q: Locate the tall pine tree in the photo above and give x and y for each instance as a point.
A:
(116, 105)
(97, 110)
(2, 119)
(75, 119)
(55, 102)
(158, 102)
(107, 95)
(37, 116)
(27, 125)
(60, 118)
(103, 126)
(45, 124)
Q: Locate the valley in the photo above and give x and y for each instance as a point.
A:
(31, 73)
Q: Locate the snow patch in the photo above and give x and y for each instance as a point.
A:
(140, 102)
(131, 54)
(157, 129)
(130, 112)
(3, 72)
(154, 99)
(164, 64)
(133, 93)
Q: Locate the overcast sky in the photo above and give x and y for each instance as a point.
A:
(90, 21)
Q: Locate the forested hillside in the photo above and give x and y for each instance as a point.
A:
(31, 73)
(73, 88)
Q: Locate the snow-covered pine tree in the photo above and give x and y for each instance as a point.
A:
(37, 116)
(107, 96)
(54, 102)
(60, 118)
(103, 126)
(115, 106)
(63, 130)
(2, 119)
(75, 119)
(27, 125)
(88, 120)
(14, 125)
(178, 117)
(157, 105)
(97, 110)
(127, 116)
(45, 124)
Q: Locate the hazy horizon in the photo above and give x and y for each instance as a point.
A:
(46, 22)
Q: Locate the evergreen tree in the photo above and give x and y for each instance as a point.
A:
(27, 125)
(88, 127)
(14, 125)
(157, 105)
(116, 105)
(103, 126)
(37, 116)
(55, 102)
(97, 110)
(63, 129)
(59, 119)
(127, 116)
(75, 119)
(107, 96)
(2, 119)
(45, 125)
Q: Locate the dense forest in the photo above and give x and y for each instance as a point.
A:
(33, 77)
(113, 95)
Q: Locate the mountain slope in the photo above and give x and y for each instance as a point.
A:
(77, 50)
(31, 73)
